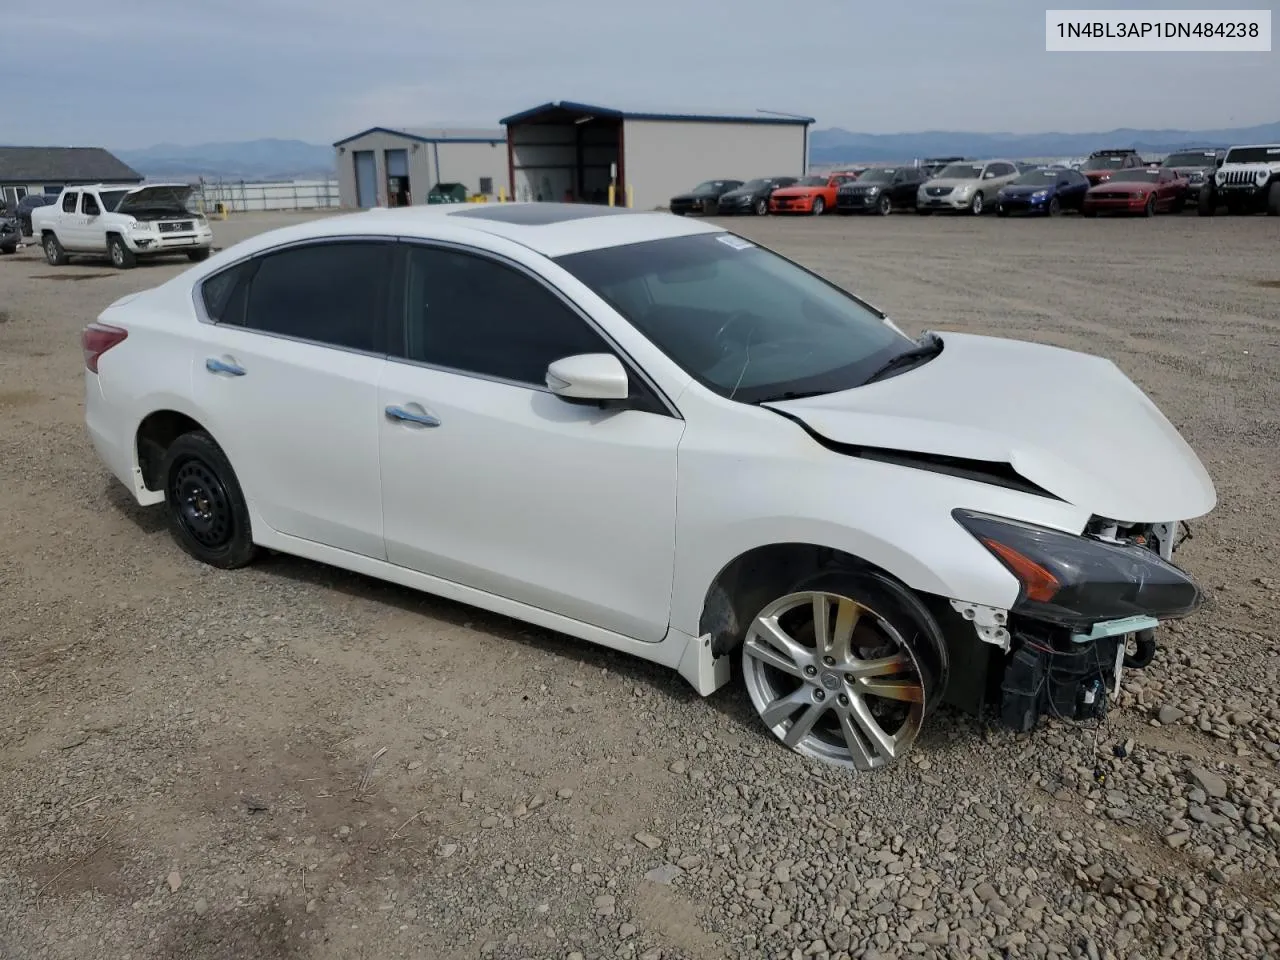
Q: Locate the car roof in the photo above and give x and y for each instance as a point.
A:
(551, 229)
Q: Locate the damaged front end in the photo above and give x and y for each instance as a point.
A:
(1083, 600)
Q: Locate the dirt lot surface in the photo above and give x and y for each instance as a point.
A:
(293, 762)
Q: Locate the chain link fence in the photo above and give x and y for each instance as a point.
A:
(240, 196)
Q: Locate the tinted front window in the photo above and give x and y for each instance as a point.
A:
(476, 315)
(69, 202)
(1103, 163)
(1196, 159)
(1146, 176)
(745, 322)
(329, 292)
(1254, 155)
(1038, 178)
(111, 198)
(961, 171)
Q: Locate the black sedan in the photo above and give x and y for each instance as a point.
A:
(1047, 191)
(752, 196)
(10, 235)
(704, 198)
(22, 213)
(881, 190)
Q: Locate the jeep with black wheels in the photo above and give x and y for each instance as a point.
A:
(1247, 182)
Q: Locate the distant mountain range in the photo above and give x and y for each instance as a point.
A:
(843, 146)
(296, 159)
(246, 160)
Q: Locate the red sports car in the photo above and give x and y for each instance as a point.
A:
(815, 195)
(1137, 190)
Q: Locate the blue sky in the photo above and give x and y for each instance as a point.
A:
(190, 71)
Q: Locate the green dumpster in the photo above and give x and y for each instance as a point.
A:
(448, 193)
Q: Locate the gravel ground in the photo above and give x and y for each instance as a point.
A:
(293, 762)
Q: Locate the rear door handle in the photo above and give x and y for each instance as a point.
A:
(409, 416)
(214, 365)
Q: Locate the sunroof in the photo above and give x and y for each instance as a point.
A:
(538, 214)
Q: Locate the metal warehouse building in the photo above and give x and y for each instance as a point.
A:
(47, 170)
(565, 150)
(386, 167)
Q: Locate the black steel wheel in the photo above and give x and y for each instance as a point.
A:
(208, 515)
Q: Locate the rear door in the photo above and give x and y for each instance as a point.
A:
(286, 375)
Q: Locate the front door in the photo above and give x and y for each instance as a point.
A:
(491, 481)
(287, 380)
(366, 171)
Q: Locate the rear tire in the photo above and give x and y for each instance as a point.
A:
(1207, 202)
(208, 516)
(54, 251)
(122, 257)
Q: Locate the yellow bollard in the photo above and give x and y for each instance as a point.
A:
(502, 194)
(630, 196)
(612, 190)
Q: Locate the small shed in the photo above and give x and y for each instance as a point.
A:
(25, 170)
(398, 166)
(569, 150)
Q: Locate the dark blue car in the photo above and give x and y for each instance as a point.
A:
(1046, 190)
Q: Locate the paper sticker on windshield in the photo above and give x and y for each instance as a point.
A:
(729, 240)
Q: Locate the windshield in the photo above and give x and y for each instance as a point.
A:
(707, 186)
(759, 184)
(1037, 178)
(1103, 163)
(111, 199)
(877, 176)
(1253, 155)
(1136, 173)
(811, 182)
(745, 322)
(1197, 159)
(961, 171)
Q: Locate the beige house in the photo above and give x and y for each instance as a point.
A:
(385, 166)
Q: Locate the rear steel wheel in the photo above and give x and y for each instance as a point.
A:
(834, 679)
(208, 515)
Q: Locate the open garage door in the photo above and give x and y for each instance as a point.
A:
(560, 155)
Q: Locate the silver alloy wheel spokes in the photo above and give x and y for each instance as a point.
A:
(833, 680)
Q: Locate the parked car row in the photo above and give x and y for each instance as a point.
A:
(1241, 179)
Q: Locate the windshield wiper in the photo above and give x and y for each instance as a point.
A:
(929, 348)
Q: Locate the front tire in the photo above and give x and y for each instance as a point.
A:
(1207, 203)
(1273, 200)
(885, 206)
(762, 207)
(1055, 207)
(844, 667)
(1150, 209)
(208, 516)
(122, 257)
(819, 206)
(977, 204)
(196, 256)
(54, 251)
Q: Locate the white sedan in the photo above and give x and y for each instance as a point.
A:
(655, 435)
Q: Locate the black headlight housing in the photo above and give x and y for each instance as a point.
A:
(1077, 581)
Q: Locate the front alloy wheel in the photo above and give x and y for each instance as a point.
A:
(975, 205)
(762, 207)
(819, 205)
(885, 206)
(834, 678)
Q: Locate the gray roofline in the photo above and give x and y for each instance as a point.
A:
(571, 106)
(416, 137)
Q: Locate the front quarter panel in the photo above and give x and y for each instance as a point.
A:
(750, 478)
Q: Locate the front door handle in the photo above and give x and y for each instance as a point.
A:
(214, 365)
(409, 416)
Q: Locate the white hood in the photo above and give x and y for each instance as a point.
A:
(1069, 422)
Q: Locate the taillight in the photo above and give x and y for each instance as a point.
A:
(97, 339)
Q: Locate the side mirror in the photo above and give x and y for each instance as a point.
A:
(591, 377)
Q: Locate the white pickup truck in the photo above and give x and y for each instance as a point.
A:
(123, 223)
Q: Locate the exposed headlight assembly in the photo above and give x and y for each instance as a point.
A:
(1076, 580)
